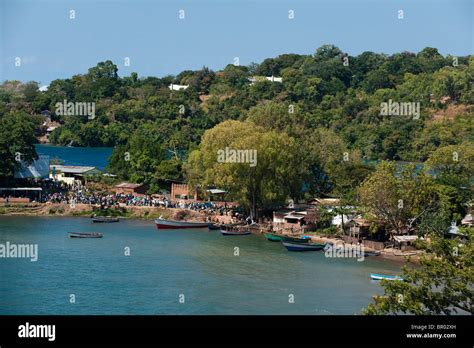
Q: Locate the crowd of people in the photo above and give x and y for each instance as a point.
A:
(62, 193)
(58, 192)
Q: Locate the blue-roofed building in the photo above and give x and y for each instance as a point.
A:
(38, 169)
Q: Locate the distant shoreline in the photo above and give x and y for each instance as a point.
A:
(145, 213)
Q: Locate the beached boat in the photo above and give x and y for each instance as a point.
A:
(371, 253)
(104, 219)
(230, 230)
(376, 276)
(84, 235)
(299, 239)
(163, 224)
(272, 237)
(304, 246)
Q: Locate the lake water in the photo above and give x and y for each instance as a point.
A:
(77, 156)
(166, 264)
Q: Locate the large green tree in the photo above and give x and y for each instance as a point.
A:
(255, 185)
(17, 139)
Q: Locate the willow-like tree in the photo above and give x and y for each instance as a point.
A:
(253, 186)
(399, 198)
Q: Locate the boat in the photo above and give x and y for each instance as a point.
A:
(213, 226)
(84, 235)
(299, 239)
(272, 237)
(371, 253)
(376, 276)
(163, 224)
(104, 219)
(229, 230)
(304, 246)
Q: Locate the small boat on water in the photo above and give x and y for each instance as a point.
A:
(272, 237)
(163, 224)
(104, 219)
(213, 226)
(376, 276)
(299, 239)
(84, 235)
(304, 246)
(230, 230)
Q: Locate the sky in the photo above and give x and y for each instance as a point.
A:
(213, 33)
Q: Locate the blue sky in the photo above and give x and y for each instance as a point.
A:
(158, 43)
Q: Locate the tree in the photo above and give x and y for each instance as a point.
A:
(398, 199)
(254, 185)
(443, 282)
(17, 139)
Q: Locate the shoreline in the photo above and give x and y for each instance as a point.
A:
(151, 213)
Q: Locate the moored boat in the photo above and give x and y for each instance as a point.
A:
(272, 237)
(84, 235)
(229, 230)
(104, 219)
(376, 276)
(163, 224)
(304, 246)
(299, 239)
(213, 226)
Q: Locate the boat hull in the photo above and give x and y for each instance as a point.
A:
(235, 233)
(299, 240)
(376, 276)
(179, 225)
(104, 220)
(273, 237)
(84, 235)
(304, 246)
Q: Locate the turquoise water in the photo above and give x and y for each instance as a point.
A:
(77, 156)
(162, 265)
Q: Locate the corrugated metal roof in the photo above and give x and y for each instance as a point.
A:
(37, 169)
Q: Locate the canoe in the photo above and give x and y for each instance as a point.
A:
(105, 219)
(163, 224)
(304, 246)
(302, 239)
(272, 237)
(84, 235)
(376, 276)
(234, 232)
(371, 253)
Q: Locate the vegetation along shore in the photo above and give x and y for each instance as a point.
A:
(372, 150)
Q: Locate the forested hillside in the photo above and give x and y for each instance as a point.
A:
(328, 104)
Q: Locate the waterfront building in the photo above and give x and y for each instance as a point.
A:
(182, 192)
(71, 175)
(127, 188)
(38, 169)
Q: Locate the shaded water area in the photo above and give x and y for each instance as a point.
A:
(77, 156)
(165, 264)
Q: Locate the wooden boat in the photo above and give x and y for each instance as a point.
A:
(272, 237)
(163, 224)
(84, 235)
(376, 276)
(214, 226)
(229, 230)
(105, 219)
(371, 253)
(304, 246)
(299, 239)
